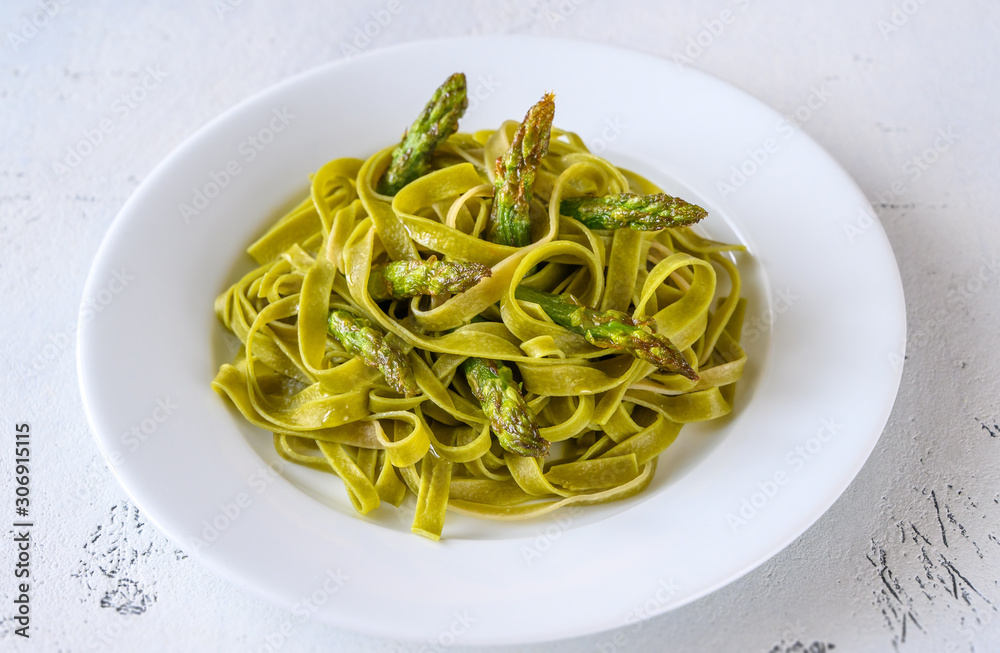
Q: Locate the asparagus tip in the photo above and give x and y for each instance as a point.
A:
(512, 421)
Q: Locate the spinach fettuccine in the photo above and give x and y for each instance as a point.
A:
(500, 323)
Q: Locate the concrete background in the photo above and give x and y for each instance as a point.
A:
(908, 559)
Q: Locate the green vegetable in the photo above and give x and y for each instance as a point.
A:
(639, 212)
(359, 338)
(611, 330)
(510, 223)
(493, 384)
(438, 121)
(410, 278)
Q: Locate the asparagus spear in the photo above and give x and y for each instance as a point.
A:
(493, 384)
(359, 338)
(612, 330)
(409, 278)
(438, 121)
(515, 175)
(639, 212)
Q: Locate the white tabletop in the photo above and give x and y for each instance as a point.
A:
(903, 93)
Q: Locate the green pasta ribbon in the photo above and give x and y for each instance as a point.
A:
(606, 414)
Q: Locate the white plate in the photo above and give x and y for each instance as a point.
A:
(817, 393)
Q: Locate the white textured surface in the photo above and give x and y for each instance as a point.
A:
(909, 557)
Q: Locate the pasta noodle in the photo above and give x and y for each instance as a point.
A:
(609, 415)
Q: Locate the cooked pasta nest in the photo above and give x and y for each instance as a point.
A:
(609, 415)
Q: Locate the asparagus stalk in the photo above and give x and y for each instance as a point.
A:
(359, 338)
(409, 278)
(510, 223)
(493, 384)
(639, 212)
(438, 121)
(611, 330)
